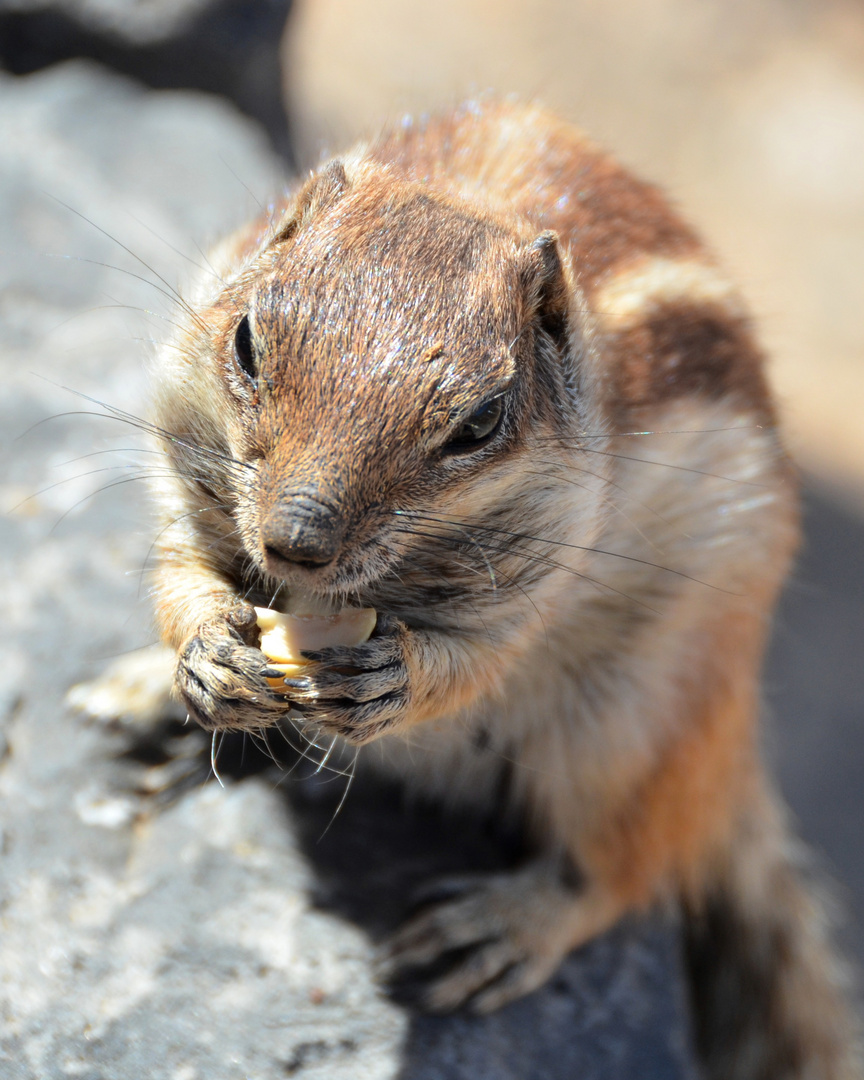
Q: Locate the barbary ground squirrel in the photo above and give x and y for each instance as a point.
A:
(476, 376)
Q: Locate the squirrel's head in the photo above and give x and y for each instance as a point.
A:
(387, 360)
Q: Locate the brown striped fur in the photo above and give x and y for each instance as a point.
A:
(585, 598)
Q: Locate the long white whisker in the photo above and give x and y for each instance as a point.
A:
(214, 752)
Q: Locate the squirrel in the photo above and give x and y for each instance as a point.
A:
(477, 376)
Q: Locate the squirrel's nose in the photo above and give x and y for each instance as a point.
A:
(302, 531)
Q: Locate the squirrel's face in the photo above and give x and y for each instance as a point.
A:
(391, 354)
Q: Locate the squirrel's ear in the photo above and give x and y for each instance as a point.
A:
(545, 285)
(547, 291)
(319, 192)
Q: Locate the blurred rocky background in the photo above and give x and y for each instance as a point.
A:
(152, 923)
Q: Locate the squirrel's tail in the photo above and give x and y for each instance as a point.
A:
(769, 993)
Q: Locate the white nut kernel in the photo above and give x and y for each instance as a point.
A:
(284, 638)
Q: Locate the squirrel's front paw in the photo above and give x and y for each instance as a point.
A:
(221, 679)
(357, 691)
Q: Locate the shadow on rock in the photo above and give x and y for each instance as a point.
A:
(616, 1008)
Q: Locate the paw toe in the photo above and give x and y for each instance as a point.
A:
(467, 978)
(441, 929)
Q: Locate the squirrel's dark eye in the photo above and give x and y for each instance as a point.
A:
(244, 351)
(477, 429)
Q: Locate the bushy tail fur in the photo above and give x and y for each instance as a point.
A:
(770, 995)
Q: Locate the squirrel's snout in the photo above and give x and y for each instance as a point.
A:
(301, 531)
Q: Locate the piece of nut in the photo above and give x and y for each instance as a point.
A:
(284, 638)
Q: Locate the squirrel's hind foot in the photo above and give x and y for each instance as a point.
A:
(492, 939)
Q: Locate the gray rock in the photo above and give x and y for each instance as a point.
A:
(127, 21)
(229, 47)
(213, 936)
(134, 943)
(814, 681)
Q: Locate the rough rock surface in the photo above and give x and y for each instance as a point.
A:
(214, 934)
(229, 47)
